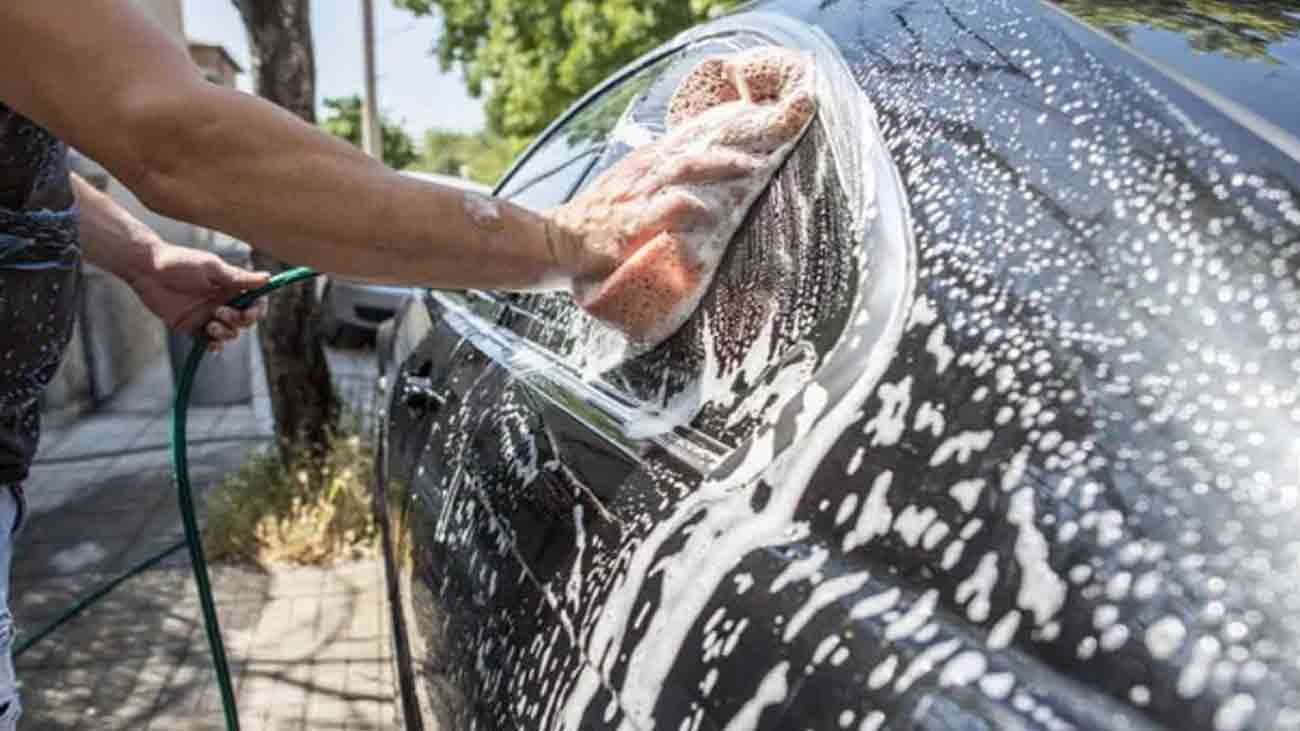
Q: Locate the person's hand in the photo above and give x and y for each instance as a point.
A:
(647, 235)
(187, 289)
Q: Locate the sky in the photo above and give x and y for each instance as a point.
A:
(413, 90)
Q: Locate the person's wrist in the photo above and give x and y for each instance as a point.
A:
(145, 267)
(563, 245)
(574, 256)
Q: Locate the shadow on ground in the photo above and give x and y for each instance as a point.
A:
(309, 648)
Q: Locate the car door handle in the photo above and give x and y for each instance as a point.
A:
(418, 394)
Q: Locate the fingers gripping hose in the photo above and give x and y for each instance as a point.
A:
(185, 497)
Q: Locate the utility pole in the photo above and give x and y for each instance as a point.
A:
(372, 140)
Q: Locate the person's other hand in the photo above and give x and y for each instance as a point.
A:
(646, 236)
(187, 289)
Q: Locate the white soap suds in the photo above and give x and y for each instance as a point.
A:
(1042, 592)
(963, 669)
(1118, 586)
(1104, 616)
(855, 462)
(825, 648)
(826, 593)
(1114, 637)
(875, 516)
(1165, 637)
(916, 615)
(997, 685)
(936, 345)
(1146, 585)
(875, 604)
(847, 506)
(1015, 471)
(923, 313)
(966, 493)
(882, 673)
(1234, 713)
(873, 721)
(925, 663)
(937, 531)
(978, 588)
(952, 554)
(1004, 631)
(1192, 679)
(743, 582)
(800, 569)
(771, 691)
(962, 446)
(912, 522)
(889, 424)
(929, 418)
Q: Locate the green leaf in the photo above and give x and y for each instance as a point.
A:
(344, 120)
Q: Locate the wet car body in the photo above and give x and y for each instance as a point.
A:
(989, 421)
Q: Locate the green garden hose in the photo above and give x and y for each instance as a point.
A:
(180, 464)
(185, 496)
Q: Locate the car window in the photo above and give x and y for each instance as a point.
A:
(553, 170)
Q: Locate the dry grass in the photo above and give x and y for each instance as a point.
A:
(272, 513)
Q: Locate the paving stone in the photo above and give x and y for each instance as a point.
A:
(99, 433)
(308, 647)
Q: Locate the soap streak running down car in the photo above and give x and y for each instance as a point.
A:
(356, 309)
(989, 420)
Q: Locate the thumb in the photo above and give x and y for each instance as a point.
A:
(232, 278)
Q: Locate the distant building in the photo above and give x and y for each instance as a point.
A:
(216, 63)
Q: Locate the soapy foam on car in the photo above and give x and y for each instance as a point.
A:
(655, 290)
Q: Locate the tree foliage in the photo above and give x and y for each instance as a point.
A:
(480, 156)
(1229, 27)
(344, 121)
(533, 58)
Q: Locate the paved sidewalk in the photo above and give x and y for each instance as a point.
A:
(310, 647)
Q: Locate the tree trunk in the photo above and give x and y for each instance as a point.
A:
(302, 394)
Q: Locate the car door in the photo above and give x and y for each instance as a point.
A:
(434, 425)
(561, 451)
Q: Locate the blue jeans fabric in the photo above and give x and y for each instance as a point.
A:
(12, 510)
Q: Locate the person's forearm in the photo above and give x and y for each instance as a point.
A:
(265, 177)
(111, 238)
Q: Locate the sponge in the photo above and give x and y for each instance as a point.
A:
(731, 122)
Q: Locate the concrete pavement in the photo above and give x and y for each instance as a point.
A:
(310, 647)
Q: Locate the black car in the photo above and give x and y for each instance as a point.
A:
(990, 419)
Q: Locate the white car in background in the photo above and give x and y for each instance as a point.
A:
(353, 311)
